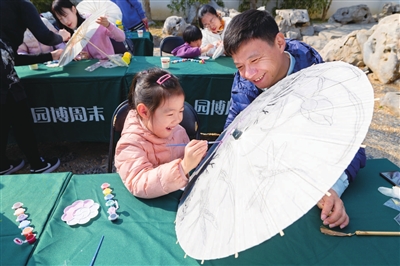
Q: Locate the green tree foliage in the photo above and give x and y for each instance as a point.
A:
(42, 5)
(314, 7)
(180, 6)
(251, 4)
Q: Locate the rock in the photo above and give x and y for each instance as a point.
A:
(363, 35)
(174, 26)
(381, 51)
(290, 22)
(315, 42)
(307, 30)
(352, 14)
(392, 100)
(343, 49)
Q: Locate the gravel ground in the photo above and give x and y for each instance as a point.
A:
(382, 141)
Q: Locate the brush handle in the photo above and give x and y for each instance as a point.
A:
(376, 233)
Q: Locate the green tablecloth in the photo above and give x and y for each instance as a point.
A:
(39, 194)
(144, 46)
(145, 233)
(207, 86)
(71, 104)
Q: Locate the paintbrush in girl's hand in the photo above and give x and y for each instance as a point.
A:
(184, 144)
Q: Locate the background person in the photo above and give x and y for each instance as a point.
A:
(15, 17)
(191, 48)
(147, 166)
(67, 17)
(31, 45)
(133, 16)
(213, 27)
(263, 57)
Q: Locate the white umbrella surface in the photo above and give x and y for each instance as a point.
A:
(110, 9)
(276, 160)
(81, 37)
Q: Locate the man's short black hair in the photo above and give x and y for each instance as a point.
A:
(192, 33)
(251, 24)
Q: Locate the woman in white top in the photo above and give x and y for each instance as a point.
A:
(213, 27)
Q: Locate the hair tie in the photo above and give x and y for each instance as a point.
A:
(163, 78)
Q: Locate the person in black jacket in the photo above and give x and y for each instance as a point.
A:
(15, 17)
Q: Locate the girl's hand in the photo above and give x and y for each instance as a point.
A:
(56, 54)
(82, 55)
(64, 34)
(194, 152)
(103, 21)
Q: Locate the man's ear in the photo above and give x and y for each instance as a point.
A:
(280, 41)
(143, 111)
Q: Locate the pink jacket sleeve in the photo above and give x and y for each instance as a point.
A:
(115, 33)
(145, 181)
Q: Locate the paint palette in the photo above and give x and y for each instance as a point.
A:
(80, 212)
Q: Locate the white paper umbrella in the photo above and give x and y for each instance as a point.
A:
(276, 160)
(110, 9)
(79, 39)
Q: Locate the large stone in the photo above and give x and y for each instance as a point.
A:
(315, 42)
(392, 100)
(352, 14)
(381, 52)
(174, 26)
(343, 49)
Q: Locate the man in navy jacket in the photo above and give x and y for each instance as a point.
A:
(263, 57)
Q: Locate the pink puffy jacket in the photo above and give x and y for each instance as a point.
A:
(31, 45)
(147, 167)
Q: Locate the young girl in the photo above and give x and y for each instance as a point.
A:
(148, 166)
(191, 48)
(68, 17)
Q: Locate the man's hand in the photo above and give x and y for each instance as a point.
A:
(146, 23)
(64, 34)
(333, 212)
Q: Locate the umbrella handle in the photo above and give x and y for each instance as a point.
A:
(376, 233)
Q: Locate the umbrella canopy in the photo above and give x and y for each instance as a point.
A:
(110, 9)
(276, 160)
(88, 28)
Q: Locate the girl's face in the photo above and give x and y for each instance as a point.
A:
(69, 19)
(167, 116)
(211, 22)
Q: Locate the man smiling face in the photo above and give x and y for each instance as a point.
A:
(261, 63)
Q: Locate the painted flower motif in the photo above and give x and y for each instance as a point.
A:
(318, 109)
(80, 212)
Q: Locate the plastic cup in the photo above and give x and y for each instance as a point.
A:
(33, 67)
(27, 231)
(165, 62)
(31, 238)
(140, 33)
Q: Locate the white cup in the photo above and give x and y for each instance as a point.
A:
(34, 67)
(140, 33)
(165, 62)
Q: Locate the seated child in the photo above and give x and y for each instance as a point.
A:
(191, 48)
(148, 167)
(31, 45)
(68, 18)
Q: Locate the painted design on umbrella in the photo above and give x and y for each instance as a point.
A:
(275, 161)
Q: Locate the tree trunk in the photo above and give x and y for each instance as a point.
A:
(147, 9)
(325, 9)
(253, 4)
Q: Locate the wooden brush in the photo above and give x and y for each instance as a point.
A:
(330, 232)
